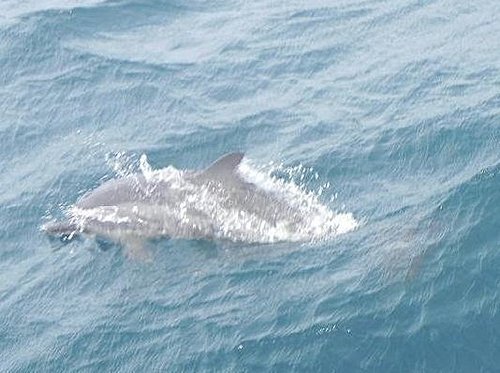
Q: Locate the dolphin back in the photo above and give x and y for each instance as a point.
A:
(224, 167)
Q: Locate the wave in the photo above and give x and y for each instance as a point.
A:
(12, 10)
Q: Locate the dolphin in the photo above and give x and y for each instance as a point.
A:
(214, 203)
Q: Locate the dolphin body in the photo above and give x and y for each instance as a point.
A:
(216, 203)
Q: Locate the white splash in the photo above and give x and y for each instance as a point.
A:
(213, 212)
(318, 221)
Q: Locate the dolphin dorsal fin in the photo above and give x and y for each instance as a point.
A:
(225, 165)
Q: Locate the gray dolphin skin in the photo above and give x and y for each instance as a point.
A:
(214, 203)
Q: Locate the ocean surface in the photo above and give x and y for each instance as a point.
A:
(383, 116)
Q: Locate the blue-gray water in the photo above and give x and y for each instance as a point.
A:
(395, 103)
